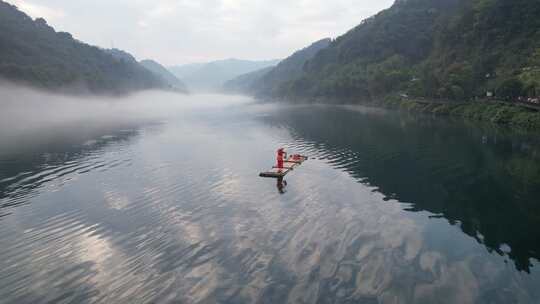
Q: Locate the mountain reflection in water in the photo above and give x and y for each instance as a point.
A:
(485, 180)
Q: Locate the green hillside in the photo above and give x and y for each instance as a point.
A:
(33, 53)
(439, 49)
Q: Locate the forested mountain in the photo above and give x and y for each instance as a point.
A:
(212, 76)
(33, 53)
(121, 55)
(164, 74)
(451, 49)
(271, 81)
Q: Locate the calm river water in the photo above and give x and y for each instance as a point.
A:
(169, 208)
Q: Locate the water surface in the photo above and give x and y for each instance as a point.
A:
(390, 208)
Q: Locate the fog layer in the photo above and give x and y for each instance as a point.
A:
(31, 117)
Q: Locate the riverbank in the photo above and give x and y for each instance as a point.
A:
(495, 112)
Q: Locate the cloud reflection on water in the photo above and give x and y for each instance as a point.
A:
(180, 218)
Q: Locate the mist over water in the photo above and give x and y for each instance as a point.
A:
(154, 198)
(32, 117)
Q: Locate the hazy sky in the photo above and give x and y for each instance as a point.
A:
(185, 31)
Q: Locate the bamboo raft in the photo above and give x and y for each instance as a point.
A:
(289, 165)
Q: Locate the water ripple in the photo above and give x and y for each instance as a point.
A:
(179, 216)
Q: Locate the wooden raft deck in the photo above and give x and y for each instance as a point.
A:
(288, 166)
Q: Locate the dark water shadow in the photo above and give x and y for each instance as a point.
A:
(484, 179)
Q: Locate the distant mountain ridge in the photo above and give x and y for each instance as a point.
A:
(268, 81)
(212, 76)
(33, 53)
(161, 72)
(245, 83)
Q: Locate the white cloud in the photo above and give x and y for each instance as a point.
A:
(181, 31)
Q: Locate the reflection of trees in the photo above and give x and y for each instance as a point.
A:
(34, 166)
(484, 180)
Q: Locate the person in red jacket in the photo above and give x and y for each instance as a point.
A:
(281, 156)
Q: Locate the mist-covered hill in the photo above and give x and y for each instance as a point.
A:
(211, 76)
(245, 83)
(162, 72)
(269, 81)
(33, 53)
(449, 49)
